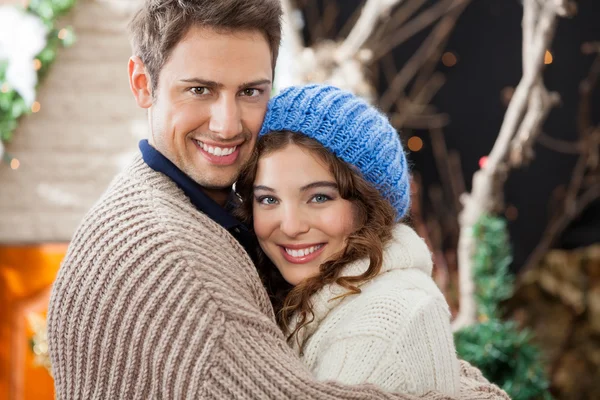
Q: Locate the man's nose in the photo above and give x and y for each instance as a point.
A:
(225, 119)
(294, 222)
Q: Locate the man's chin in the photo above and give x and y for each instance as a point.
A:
(219, 181)
(216, 184)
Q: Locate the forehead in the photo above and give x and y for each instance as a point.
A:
(225, 57)
(292, 166)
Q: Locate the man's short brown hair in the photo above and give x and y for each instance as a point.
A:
(161, 24)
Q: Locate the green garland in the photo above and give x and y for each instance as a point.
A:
(12, 105)
(502, 352)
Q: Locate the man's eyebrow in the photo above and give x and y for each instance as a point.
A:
(265, 188)
(254, 83)
(203, 82)
(313, 185)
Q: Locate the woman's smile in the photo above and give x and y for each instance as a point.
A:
(301, 254)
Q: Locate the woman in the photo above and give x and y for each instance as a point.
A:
(325, 192)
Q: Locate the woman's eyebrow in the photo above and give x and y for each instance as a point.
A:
(265, 188)
(318, 184)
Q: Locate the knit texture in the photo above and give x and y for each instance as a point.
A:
(156, 301)
(395, 333)
(350, 128)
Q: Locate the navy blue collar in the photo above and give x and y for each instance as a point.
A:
(203, 203)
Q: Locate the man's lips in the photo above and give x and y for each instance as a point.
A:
(218, 154)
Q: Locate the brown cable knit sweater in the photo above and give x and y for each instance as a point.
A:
(154, 300)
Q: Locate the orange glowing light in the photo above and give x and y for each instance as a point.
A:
(449, 59)
(415, 143)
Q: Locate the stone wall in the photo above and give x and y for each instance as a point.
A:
(86, 130)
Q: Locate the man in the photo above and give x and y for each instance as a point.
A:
(157, 297)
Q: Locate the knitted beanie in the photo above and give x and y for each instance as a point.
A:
(350, 128)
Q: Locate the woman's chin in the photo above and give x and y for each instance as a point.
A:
(294, 278)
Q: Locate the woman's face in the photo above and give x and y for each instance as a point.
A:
(299, 217)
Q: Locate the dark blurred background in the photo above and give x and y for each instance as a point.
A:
(486, 42)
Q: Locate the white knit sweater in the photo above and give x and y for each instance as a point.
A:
(395, 334)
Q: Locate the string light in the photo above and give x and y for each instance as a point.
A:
(415, 143)
(36, 106)
(37, 64)
(62, 34)
(15, 164)
(449, 59)
(483, 161)
(548, 57)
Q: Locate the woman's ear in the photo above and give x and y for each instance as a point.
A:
(139, 82)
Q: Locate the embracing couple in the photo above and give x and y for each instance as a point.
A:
(298, 282)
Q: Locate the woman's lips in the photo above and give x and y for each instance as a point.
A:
(301, 259)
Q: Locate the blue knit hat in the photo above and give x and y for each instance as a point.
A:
(350, 128)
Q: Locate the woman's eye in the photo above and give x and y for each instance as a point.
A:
(267, 200)
(320, 198)
(199, 90)
(251, 92)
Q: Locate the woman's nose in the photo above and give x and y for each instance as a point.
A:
(294, 222)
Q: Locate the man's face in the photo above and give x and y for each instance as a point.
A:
(210, 102)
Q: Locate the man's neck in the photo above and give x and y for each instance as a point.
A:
(219, 196)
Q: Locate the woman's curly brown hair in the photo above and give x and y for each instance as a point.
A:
(375, 218)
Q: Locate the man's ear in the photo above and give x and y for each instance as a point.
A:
(139, 82)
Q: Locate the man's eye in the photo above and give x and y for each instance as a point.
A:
(251, 92)
(200, 90)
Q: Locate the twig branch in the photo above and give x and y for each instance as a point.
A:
(421, 121)
(417, 24)
(314, 24)
(539, 23)
(415, 105)
(540, 104)
(371, 13)
(329, 16)
(403, 13)
(559, 146)
(427, 49)
(399, 17)
(448, 174)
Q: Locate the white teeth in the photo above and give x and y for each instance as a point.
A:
(303, 252)
(217, 151)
